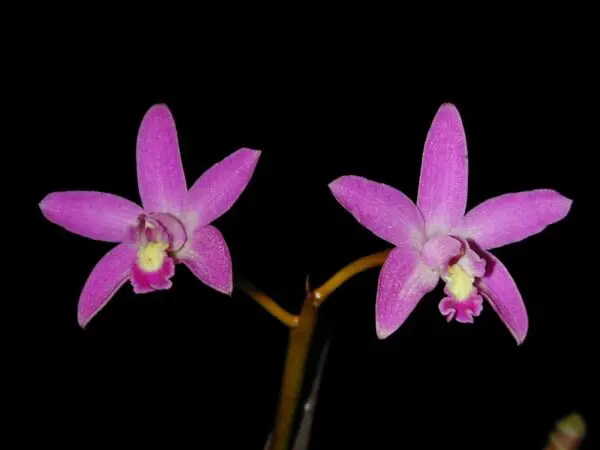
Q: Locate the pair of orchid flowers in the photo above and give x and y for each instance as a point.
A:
(433, 239)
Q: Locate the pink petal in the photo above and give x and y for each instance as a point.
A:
(105, 279)
(442, 196)
(513, 217)
(219, 187)
(95, 215)
(208, 258)
(383, 210)
(438, 250)
(403, 281)
(161, 180)
(498, 287)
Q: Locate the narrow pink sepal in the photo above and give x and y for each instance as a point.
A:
(217, 189)
(144, 282)
(208, 258)
(499, 288)
(95, 215)
(104, 281)
(161, 180)
(442, 196)
(382, 209)
(403, 281)
(513, 217)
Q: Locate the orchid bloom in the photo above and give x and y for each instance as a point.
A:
(173, 226)
(435, 239)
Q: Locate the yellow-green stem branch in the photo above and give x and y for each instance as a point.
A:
(293, 374)
(268, 303)
(301, 332)
(354, 268)
(299, 346)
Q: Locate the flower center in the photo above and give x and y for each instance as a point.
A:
(158, 237)
(159, 228)
(459, 283)
(460, 273)
(152, 255)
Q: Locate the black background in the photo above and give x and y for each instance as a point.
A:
(191, 366)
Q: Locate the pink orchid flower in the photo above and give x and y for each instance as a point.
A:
(174, 225)
(435, 239)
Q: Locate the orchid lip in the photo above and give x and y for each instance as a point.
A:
(461, 310)
(154, 277)
(460, 270)
(157, 236)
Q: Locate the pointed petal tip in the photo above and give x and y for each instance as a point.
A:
(252, 154)
(44, 200)
(43, 203)
(49, 201)
(254, 151)
(225, 290)
(340, 184)
(382, 331)
(158, 109)
(82, 321)
(448, 106)
(520, 337)
(568, 202)
(334, 184)
(448, 111)
(228, 290)
(451, 112)
(560, 201)
(84, 317)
